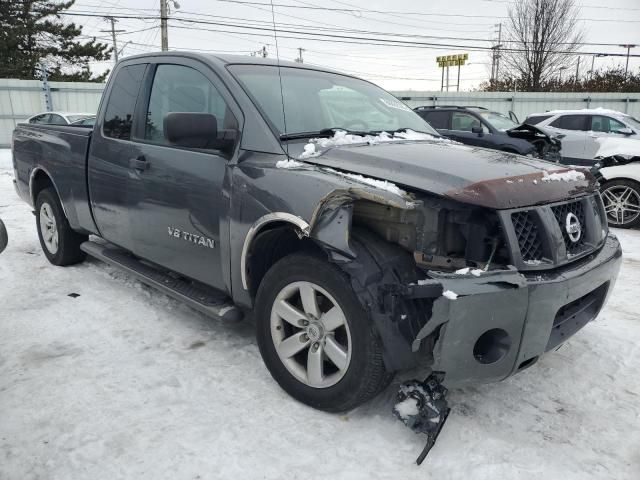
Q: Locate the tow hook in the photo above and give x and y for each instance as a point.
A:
(423, 408)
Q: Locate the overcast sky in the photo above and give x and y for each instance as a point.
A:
(465, 22)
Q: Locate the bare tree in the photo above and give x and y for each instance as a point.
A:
(541, 37)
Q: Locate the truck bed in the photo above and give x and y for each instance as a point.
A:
(58, 150)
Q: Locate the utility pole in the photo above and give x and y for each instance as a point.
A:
(44, 77)
(628, 47)
(300, 59)
(498, 52)
(113, 36)
(164, 33)
(577, 69)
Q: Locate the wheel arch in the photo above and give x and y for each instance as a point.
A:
(39, 179)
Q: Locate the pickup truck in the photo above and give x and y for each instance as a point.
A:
(359, 241)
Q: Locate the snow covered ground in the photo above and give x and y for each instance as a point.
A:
(123, 382)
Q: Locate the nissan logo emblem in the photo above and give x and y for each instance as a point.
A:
(572, 227)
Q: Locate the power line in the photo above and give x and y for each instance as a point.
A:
(346, 38)
(392, 12)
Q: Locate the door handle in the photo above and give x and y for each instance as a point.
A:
(139, 163)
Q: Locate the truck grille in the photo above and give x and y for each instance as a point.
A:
(528, 236)
(561, 212)
(539, 238)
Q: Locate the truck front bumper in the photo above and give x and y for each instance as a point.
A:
(502, 321)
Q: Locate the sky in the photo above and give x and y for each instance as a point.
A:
(242, 28)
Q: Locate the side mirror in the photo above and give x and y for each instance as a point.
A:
(192, 130)
(477, 130)
(625, 131)
(4, 238)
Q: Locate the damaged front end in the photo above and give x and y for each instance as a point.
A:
(547, 147)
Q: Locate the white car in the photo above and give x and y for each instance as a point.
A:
(60, 118)
(579, 130)
(618, 172)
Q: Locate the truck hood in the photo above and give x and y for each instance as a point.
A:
(478, 176)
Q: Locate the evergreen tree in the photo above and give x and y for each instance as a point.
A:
(32, 31)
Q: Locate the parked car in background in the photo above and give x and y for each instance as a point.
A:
(480, 127)
(618, 171)
(86, 122)
(580, 130)
(60, 118)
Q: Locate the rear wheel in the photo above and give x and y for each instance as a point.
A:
(314, 336)
(60, 244)
(622, 203)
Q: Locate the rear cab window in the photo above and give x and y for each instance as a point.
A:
(118, 117)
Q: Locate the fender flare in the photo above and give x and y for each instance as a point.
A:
(32, 176)
(301, 225)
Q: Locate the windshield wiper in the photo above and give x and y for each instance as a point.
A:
(324, 133)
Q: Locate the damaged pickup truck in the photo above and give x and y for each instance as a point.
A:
(361, 242)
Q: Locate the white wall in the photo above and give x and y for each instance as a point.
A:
(20, 99)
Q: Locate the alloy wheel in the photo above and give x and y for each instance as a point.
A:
(621, 204)
(311, 334)
(48, 228)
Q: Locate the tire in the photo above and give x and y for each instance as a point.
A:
(363, 374)
(60, 244)
(622, 203)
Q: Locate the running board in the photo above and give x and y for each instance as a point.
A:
(205, 299)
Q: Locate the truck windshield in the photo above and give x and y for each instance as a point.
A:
(315, 101)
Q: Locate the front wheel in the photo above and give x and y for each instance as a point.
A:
(315, 337)
(621, 200)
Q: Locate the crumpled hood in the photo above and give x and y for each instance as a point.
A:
(478, 176)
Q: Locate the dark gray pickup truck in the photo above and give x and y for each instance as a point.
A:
(361, 241)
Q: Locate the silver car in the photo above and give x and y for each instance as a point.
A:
(579, 130)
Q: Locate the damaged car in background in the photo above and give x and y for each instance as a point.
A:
(361, 241)
(618, 171)
(480, 127)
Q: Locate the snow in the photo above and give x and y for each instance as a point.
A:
(381, 184)
(407, 408)
(610, 146)
(567, 176)
(468, 270)
(533, 262)
(341, 137)
(123, 382)
(289, 164)
(450, 295)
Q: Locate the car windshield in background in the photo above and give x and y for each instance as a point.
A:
(499, 121)
(316, 101)
(632, 121)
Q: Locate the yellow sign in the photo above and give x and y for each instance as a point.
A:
(452, 60)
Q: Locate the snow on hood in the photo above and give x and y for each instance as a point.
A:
(566, 176)
(381, 184)
(341, 137)
(610, 146)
